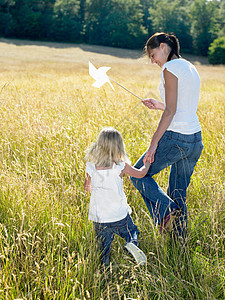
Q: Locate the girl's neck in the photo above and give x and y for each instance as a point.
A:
(104, 168)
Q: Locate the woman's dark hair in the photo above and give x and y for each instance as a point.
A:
(160, 37)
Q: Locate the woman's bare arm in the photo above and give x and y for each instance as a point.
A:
(171, 84)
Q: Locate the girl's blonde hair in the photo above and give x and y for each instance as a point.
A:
(108, 148)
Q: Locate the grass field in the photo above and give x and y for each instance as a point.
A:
(49, 115)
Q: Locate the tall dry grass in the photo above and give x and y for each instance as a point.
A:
(50, 114)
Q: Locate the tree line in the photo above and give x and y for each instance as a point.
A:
(117, 23)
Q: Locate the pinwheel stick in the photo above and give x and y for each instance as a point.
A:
(125, 88)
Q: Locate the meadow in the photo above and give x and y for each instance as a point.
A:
(49, 116)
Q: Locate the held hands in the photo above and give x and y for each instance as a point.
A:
(153, 104)
(149, 156)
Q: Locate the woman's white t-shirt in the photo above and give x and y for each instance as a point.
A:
(185, 120)
(108, 202)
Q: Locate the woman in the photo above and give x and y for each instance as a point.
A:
(177, 140)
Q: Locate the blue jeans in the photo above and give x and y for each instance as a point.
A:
(105, 232)
(181, 152)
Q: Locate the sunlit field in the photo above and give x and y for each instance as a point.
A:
(49, 116)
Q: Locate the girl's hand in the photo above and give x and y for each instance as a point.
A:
(149, 156)
(87, 183)
(153, 104)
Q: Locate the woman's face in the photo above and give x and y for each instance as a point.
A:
(159, 55)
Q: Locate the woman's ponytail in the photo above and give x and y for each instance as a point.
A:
(175, 46)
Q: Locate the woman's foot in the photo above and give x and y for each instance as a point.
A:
(168, 221)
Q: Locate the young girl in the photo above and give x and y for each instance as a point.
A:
(107, 162)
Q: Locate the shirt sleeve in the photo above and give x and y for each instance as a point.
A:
(120, 167)
(171, 67)
(89, 168)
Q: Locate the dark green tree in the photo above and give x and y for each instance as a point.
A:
(202, 16)
(66, 23)
(216, 53)
(30, 16)
(7, 23)
(170, 16)
(116, 23)
(81, 14)
(146, 5)
(5, 5)
(221, 19)
(97, 11)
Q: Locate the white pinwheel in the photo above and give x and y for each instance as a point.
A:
(101, 78)
(99, 75)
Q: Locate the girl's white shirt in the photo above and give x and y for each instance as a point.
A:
(108, 202)
(185, 120)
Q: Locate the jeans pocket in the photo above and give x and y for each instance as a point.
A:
(197, 151)
(164, 138)
(176, 153)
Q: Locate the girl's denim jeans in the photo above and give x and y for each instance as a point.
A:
(105, 232)
(181, 152)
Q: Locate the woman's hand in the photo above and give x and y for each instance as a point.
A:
(149, 156)
(153, 104)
